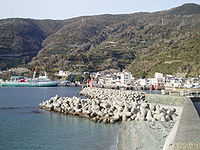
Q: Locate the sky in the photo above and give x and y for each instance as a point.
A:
(64, 9)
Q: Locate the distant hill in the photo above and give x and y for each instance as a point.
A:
(21, 39)
(143, 43)
(186, 9)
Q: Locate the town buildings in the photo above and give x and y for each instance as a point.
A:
(115, 78)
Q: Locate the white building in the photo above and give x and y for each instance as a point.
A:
(126, 78)
(152, 81)
(158, 79)
(142, 82)
(158, 75)
(62, 73)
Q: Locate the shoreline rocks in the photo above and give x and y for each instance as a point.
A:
(110, 106)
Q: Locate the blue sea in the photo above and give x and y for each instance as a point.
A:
(23, 126)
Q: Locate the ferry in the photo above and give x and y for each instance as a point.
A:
(21, 81)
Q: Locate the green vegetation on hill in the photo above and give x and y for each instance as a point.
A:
(143, 43)
(19, 42)
(186, 9)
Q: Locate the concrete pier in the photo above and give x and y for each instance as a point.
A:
(188, 132)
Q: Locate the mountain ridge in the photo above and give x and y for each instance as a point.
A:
(95, 43)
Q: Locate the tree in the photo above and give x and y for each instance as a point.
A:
(78, 77)
(86, 77)
(70, 77)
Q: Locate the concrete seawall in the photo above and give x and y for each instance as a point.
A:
(148, 135)
(138, 135)
(184, 136)
(165, 99)
(188, 132)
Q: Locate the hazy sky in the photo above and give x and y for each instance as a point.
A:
(63, 9)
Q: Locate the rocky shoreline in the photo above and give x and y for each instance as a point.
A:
(110, 106)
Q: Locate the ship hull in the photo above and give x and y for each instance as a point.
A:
(30, 84)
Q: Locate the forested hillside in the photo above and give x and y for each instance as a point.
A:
(143, 43)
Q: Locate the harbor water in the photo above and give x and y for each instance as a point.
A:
(23, 126)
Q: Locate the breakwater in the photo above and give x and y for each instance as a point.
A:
(110, 106)
(187, 136)
(165, 99)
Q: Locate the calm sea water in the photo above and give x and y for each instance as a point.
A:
(197, 106)
(23, 126)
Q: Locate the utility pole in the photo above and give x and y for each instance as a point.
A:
(82, 20)
(162, 21)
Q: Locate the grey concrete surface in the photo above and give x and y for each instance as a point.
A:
(188, 131)
(165, 99)
(143, 135)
